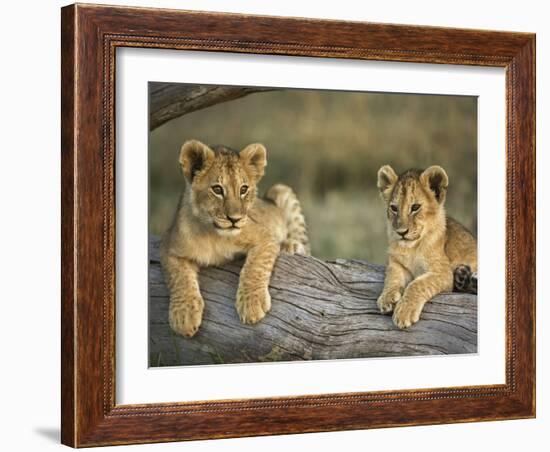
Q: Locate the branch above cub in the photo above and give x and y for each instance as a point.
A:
(220, 217)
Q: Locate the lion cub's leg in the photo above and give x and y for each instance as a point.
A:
(397, 277)
(253, 299)
(186, 303)
(418, 292)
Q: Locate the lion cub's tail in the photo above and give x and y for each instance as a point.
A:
(465, 280)
(296, 239)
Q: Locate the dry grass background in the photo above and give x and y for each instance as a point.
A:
(328, 145)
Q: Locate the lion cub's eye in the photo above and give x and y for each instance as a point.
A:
(415, 207)
(217, 189)
(393, 207)
(244, 189)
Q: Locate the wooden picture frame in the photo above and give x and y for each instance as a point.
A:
(90, 36)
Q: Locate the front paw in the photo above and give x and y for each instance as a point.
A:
(185, 317)
(387, 300)
(406, 313)
(253, 305)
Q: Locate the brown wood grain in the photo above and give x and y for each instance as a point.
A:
(68, 311)
(90, 36)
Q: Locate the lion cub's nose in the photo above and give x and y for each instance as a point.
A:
(234, 218)
(402, 232)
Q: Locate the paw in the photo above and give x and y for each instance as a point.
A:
(293, 247)
(185, 317)
(387, 300)
(406, 313)
(253, 305)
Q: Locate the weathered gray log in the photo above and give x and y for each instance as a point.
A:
(172, 100)
(320, 310)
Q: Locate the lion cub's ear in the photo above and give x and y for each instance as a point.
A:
(435, 178)
(386, 180)
(194, 156)
(255, 157)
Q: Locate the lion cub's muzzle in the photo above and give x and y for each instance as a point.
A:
(230, 223)
(406, 235)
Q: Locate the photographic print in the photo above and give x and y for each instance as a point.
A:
(295, 225)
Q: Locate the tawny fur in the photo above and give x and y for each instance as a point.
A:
(220, 218)
(296, 240)
(425, 245)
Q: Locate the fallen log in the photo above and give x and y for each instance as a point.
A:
(320, 310)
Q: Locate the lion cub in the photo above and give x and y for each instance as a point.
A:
(220, 218)
(429, 252)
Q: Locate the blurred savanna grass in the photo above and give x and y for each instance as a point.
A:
(328, 145)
